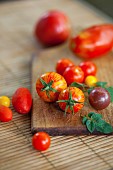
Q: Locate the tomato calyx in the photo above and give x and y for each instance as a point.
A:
(47, 87)
(69, 103)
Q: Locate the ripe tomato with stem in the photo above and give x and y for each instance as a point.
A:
(49, 85)
(71, 100)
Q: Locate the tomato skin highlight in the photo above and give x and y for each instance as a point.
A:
(41, 141)
(77, 95)
(52, 28)
(5, 114)
(93, 42)
(89, 68)
(73, 74)
(62, 64)
(59, 83)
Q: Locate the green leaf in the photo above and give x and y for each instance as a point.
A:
(90, 114)
(90, 125)
(96, 117)
(90, 89)
(75, 84)
(84, 120)
(104, 127)
(94, 121)
(110, 90)
(101, 84)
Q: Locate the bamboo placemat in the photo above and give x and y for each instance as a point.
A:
(16, 47)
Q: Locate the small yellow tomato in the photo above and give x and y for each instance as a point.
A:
(91, 81)
(5, 101)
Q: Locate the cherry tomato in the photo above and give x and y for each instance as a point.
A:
(93, 42)
(5, 114)
(41, 141)
(73, 74)
(71, 100)
(5, 101)
(99, 98)
(49, 85)
(62, 64)
(88, 67)
(91, 81)
(52, 28)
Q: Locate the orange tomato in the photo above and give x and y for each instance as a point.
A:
(49, 85)
(71, 100)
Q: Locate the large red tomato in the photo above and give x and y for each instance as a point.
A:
(71, 100)
(93, 42)
(49, 85)
(52, 28)
(73, 74)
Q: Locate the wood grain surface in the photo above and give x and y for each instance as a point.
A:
(47, 116)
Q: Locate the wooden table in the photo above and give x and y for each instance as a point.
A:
(17, 44)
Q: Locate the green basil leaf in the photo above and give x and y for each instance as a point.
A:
(110, 90)
(84, 120)
(90, 125)
(103, 127)
(101, 84)
(96, 117)
(91, 114)
(90, 89)
(75, 84)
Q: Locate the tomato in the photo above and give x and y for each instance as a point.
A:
(99, 98)
(49, 85)
(71, 100)
(41, 141)
(52, 28)
(5, 101)
(62, 64)
(93, 42)
(73, 74)
(88, 67)
(91, 81)
(5, 114)
(22, 100)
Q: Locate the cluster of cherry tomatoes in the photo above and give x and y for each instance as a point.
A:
(59, 86)
(69, 84)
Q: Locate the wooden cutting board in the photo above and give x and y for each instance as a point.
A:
(48, 116)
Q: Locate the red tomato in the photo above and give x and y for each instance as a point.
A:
(62, 64)
(22, 100)
(5, 114)
(93, 42)
(73, 74)
(89, 68)
(68, 99)
(49, 85)
(52, 28)
(41, 141)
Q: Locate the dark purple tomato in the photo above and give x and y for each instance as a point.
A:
(99, 98)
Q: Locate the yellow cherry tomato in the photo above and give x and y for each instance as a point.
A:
(91, 81)
(5, 101)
